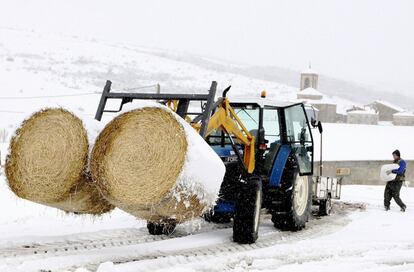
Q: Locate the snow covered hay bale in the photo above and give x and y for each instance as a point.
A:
(151, 163)
(47, 160)
(84, 198)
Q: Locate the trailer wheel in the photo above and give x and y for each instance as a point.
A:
(247, 214)
(325, 206)
(159, 228)
(296, 206)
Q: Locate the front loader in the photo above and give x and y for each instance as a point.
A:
(266, 146)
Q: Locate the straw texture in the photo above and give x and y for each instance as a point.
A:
(136, 161)
(47, 160)
(84, 198)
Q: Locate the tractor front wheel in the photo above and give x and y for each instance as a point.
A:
(296, 206)
(247, 215)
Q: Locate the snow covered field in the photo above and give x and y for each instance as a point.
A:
(38, 70)
(347, 142)
(359, 236)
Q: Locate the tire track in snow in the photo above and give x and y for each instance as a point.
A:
(267, 239)
(88, 241)
(68, 252)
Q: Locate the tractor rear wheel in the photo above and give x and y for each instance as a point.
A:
(247, 215)
(296, 206)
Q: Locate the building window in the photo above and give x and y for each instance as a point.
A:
(307, 83)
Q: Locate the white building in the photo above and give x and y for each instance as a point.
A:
(404, 118)
(367, 117)
(385, 109)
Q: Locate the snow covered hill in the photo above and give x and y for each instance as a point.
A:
(34, 65)
(43, 70)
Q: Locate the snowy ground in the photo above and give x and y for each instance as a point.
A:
(359, 236)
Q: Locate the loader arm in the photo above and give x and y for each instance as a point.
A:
(227, 120)
(204, 123)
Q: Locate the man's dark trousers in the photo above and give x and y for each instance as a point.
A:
(392, 190)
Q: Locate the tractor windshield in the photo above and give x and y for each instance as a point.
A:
(299, 136)
(249, 116)
(271, 124)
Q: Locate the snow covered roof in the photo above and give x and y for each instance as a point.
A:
(310, 106)
(322, 102)
(260, 101)
(389, 105)
(367, 112)
(404, 114)
(309, 71)
(311, 91)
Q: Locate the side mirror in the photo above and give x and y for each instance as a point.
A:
(320, 127)
(316, 124)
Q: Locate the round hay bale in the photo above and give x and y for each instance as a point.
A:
(84, 198)
(47, 160)
(145, 161)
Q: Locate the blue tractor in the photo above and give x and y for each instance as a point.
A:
(282, 178)
(268, 151)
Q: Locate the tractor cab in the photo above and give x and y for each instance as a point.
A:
(283, 161)
(274, 125)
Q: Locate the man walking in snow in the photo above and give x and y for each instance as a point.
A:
(393, 187)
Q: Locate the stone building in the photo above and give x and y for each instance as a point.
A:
(367, 117)
(403, 119)
(341, 117)
(385, 110)
(308, 79)
(326, 111)
(309, 94)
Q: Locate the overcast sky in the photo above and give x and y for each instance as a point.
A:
(366, 41)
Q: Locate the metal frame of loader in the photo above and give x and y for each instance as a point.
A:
(182, 107)
(248, 192)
